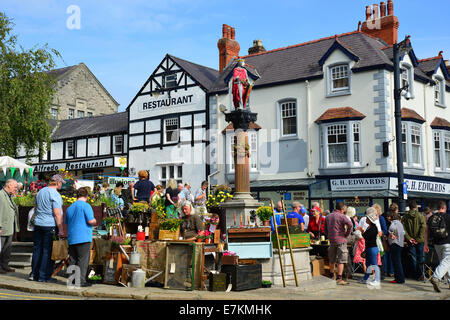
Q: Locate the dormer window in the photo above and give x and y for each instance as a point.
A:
(407, 78)
(338, 79)
(439, 91)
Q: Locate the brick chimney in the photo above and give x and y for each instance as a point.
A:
(381, 24)
(228, 46)
(257, 47)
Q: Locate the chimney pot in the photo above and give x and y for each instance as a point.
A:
(232, 33)
(382, 9)
(228, 32)
(224, 31)
(390, 8)
(368, 13)
(375, 11)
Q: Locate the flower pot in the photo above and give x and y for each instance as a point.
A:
(208, 240)
(266, 223)
(199, 240)
(233, 260)
(169, 235)
(266, 285)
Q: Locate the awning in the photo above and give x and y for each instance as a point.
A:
(285, 184)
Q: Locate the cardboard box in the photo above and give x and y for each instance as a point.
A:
(318, 268)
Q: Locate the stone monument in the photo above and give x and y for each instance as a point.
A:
(242, 203)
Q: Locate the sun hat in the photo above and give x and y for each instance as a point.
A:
(58, 178)
(371, 214)
(351, 212)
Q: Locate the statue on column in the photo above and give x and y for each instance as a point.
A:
(242, 84)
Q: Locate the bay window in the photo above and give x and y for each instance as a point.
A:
(341, 144)
(412, 144)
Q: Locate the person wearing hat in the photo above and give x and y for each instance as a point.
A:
(48, 218)
(370, 236)
(316, 223)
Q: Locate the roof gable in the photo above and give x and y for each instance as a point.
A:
(191, 74)
(337, 45)
(431, 66)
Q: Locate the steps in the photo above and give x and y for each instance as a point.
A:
(21, 255)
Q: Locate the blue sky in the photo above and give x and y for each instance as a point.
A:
(122, 42)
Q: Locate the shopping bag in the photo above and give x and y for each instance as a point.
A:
(380, 246)
(60, 250)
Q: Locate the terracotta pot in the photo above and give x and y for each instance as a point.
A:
(207, 240)
(266, 223)
(199, 240)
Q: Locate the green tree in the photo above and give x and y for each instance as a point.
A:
(27, 89)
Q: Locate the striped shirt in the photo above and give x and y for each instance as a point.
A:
(335, 227)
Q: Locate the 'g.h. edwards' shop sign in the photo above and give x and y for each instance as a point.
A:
(76, 165)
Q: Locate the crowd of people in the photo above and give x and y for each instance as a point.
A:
(377, 240)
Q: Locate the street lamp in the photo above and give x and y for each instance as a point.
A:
(401, 48)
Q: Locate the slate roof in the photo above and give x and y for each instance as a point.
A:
(204, 75)
(430, 65)
(60, 71)
(72, 128)
(340, 113)
(301, 62)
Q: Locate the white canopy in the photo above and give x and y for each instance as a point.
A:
(8, 162)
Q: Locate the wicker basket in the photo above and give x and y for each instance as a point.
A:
(169, 235)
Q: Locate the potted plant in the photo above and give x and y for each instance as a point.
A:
(266, 283)
(137, 210)
(200, 236)
(230, 257)
(95, 279)
(169, 229)
(264, 213)
(209, 236)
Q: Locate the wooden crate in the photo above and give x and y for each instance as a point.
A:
(298, 240)
(230, 260)
(218, 282)
(291, 222)
(318, 267)
(217, 236)
(169, 235)
(292, 229)
(243, 276)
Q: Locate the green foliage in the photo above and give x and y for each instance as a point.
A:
(170, 224)
(264, 213)
(25, 200)
(139, 207)
(26, 93)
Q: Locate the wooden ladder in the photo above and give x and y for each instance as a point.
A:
(280, 252)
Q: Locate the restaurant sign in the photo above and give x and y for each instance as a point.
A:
(75, 165)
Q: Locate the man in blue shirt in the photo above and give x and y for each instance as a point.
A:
(79, 220)
(296, 207)
(48, 217)
(278, 215)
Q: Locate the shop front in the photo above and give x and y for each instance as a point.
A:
(362, 191)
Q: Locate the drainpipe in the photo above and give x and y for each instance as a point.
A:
(309, 173)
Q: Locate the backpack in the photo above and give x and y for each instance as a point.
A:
(437, 226)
